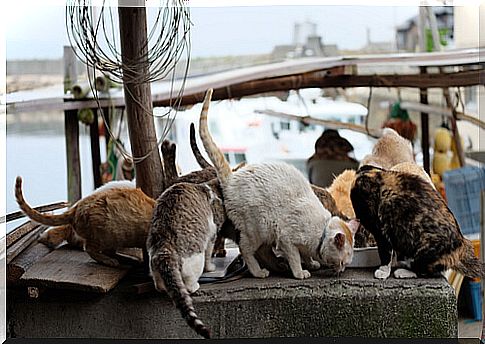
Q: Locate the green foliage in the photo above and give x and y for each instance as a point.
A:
(429, 39)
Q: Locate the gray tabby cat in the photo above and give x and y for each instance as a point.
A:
(273, 204)
(184, 226)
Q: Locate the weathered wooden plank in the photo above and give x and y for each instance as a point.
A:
(20, 245)
(17, 267)
(71, 128)
(71, 269)
(42, 208)
(20, 231)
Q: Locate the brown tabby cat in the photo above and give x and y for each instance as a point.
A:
(182, 233)
(406, 215)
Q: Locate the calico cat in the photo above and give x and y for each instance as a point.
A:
(55, 236)
(273, 204)
(413, 168)
(391, 149)
(107, 220)
(406, 215)
(182, 233)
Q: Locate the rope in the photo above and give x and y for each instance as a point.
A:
(95, 43)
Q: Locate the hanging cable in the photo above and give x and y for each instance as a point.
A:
(95, 43)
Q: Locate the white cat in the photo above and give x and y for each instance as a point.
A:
(273, 204)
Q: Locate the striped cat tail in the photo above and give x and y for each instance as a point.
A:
(45, 219)
(176, 289)
(222, 167)
(468, 264)
(195, 150)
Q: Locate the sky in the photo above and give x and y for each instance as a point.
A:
(38, 30)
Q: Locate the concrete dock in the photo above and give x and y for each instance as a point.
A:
(354, 304)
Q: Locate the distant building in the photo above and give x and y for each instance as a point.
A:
(377, 47)
(306, 43)
(407, 33)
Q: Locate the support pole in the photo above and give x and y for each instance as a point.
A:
(423, 98)
(71, 131)
(95, 150)
(107, 124)
(454, 128)
(139, 110)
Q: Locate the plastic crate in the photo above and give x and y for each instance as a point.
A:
(473, 297)
(463, 187)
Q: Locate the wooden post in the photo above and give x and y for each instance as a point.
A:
(133, 34)
(454, 128)
(70, 68)
(423, 97)
(107, 124)
(95, 150)
(482, 240)
(71, 131)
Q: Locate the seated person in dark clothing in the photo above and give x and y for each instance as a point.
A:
(331, 157)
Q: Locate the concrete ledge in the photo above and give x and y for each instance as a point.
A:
(355, 304)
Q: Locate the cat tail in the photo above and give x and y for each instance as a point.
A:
(45, 219)
(222, 167)
(195, 150)
(468, 264)
(176, 289)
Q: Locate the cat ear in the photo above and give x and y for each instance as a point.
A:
(339, 240)
(353, 225)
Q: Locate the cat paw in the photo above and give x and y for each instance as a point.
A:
(210, 267)
(110, 262)
(193, 288)
(314, 265)
(383, 272)
(263, 273)
(304, 274)
(404, 273)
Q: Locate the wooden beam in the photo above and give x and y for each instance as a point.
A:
(442, 111)
(327, 123)
(320, 79)
(138, 99)
(71, 129)
(196, 87)
(95, 150)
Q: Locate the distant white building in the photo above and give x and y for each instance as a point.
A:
(306, 42)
